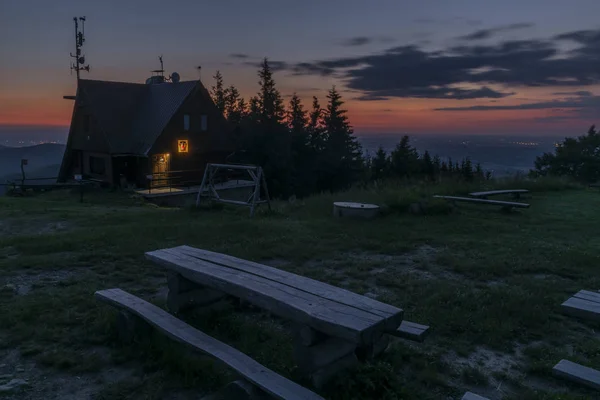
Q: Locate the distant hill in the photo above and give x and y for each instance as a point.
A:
(38, 157)
(43, 161)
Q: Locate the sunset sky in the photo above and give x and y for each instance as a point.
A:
(428, 66)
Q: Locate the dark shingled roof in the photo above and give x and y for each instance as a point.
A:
(133, 115)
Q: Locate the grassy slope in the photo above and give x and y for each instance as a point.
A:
(484, 280)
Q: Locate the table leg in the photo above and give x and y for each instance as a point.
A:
(184, 293)
(320, 357)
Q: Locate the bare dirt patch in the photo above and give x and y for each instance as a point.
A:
(497, 367)
(17, 227)
(43, 383)
(22, 282)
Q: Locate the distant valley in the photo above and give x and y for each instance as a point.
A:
(43, 161)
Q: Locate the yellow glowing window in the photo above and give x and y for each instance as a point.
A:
(182, 146)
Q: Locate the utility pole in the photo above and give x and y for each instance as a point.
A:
(78, 65)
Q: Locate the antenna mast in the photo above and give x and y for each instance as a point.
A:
(78, 65)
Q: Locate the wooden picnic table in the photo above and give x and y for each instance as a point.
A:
(333, 326)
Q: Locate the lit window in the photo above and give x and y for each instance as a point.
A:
(182, 146)
(203, 122)
(186, 122)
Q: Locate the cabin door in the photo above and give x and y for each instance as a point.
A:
(160, 170)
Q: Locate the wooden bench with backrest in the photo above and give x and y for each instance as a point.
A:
(507, 205)
(334, 328)
(516, 193)
(263, 381)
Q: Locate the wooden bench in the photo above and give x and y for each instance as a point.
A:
(584, 304)
(577, 373)
(335, 328)
(473, 396)
(411, 331)
(503, 204)
(268, 381)
(516, 193)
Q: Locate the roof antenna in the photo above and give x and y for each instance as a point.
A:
(199, 68)
(78, 65)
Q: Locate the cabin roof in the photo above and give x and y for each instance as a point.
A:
(133, 115)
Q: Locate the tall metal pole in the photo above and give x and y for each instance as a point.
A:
(77, 51)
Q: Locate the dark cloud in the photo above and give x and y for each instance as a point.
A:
(487, 33)
(471, 22)
(387, 110)
(582, 93)
(363, 40)
(239, 55)
(357, 41)
(466, 71)
(275, 65)
(556, 105)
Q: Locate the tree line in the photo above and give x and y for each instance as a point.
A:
(304, 151)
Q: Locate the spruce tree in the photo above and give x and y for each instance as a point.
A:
(218, 92)
(232, 106)
(343, 151)
(468, 170)
(380, 164)
(296, 115)
(303, 180)
(437, 165)
(427, 164)
(404, 159)
(269, 98)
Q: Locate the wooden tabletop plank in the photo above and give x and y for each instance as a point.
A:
(587, 295)
(392, 314)
(269, 381)
(324, 315)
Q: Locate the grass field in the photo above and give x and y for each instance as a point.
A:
(489, 283)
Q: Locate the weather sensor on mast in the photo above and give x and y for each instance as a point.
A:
(78, 65)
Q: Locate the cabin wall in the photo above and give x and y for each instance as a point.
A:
(86, 134)
(213, 144)
(98, 166)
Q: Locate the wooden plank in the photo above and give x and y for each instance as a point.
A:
(482, 201)
(498, 192)
(582, 308)
(473, 396)
(577, 373)
(587, 295)
(267, 380)
(324, 315)
(393, 315)
(412, 331)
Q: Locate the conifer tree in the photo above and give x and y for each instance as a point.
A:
(380, 164)
(269, 98)
(343, 151)
(218, 92)
(232, 105)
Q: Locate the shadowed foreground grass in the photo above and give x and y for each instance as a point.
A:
(489, 283)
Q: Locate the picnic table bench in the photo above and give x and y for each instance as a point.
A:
(335, 328)
(484, 195)
(504, 204)
(262, 381)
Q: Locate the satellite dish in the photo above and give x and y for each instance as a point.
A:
(175, 77)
